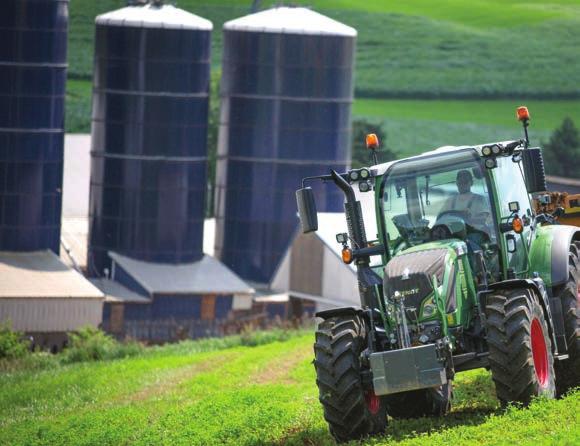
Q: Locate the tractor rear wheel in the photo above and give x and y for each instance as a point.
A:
(420, 403)
(520, 350)
(568, 371)
(351, 410)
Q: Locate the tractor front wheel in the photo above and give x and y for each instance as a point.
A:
(520, 351)
(351, 410)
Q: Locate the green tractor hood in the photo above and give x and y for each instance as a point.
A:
(425, 277)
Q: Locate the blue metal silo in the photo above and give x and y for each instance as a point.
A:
(33, 44)
(287, 90)
(149, 135)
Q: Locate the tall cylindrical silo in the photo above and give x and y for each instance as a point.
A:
(287, 90)
(33, 44)
(149, 135)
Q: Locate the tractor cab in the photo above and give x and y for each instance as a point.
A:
(446, 195)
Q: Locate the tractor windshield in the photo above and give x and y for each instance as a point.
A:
(435, 198)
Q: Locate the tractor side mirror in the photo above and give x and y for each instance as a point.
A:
(533, 163)
(307, 209)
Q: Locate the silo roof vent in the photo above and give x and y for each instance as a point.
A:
(290, 21)
(154, 16)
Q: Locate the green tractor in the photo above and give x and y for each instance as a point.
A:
(458, 273)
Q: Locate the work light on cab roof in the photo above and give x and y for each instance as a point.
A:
(372, 141)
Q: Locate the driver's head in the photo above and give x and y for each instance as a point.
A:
(464, 181)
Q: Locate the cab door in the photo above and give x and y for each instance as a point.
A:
(510, 189)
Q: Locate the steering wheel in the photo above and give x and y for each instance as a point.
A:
(440, 232)
(461, 214)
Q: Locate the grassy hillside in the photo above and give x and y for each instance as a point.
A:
(414, 126)
(419, 48)
(193, 394)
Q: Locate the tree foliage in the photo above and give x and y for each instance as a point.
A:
(12, 343)
(562, 151)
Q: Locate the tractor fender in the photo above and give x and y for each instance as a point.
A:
(549, 253)
(340, 311)
(538, 288)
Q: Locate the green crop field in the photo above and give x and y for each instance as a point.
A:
(416, 49)
(414, 126)
(420, 48)
(197, 394)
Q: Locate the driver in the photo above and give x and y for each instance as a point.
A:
(474, 205)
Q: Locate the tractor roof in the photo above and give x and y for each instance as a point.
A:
(382, 168)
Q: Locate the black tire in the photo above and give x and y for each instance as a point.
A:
(520, 350)
(352, 412)
(421, 403)
(568, 371)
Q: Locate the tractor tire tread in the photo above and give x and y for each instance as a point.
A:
(568, 371)
(339, 341)
(509, 317)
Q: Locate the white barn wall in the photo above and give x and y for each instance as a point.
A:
(281, 280)
(51, 315)
(339, 281)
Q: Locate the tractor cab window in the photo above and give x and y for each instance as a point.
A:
(436, 198)
(511, 188)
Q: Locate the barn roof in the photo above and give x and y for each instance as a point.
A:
(206, 276)
(41, 274)
(115, 292)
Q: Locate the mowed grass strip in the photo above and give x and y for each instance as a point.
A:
(252, 396)
(132, 409)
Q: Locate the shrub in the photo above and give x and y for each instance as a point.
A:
(562, 151)
(91, 344)
(12, 343)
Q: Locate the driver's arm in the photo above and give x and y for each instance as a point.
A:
(480, 211)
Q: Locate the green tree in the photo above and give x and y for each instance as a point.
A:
(12, 343)
(562, 151)
(361, 156)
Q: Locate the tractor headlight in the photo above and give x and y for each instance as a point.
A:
(364, 186)
(495, 149)
(353, 175)
(486, 151)
(490, 163)
(364, 174)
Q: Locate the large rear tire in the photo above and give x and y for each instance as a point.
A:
(520, 350)
(568, 371)
(420, 403)
(352, 412)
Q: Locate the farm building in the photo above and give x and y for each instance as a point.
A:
(160, 302)
(560, 184)
(312, 275)
(44, 298)
(148, 300)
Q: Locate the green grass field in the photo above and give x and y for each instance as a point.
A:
(419, 48)
(184, 394)
(414, 126)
